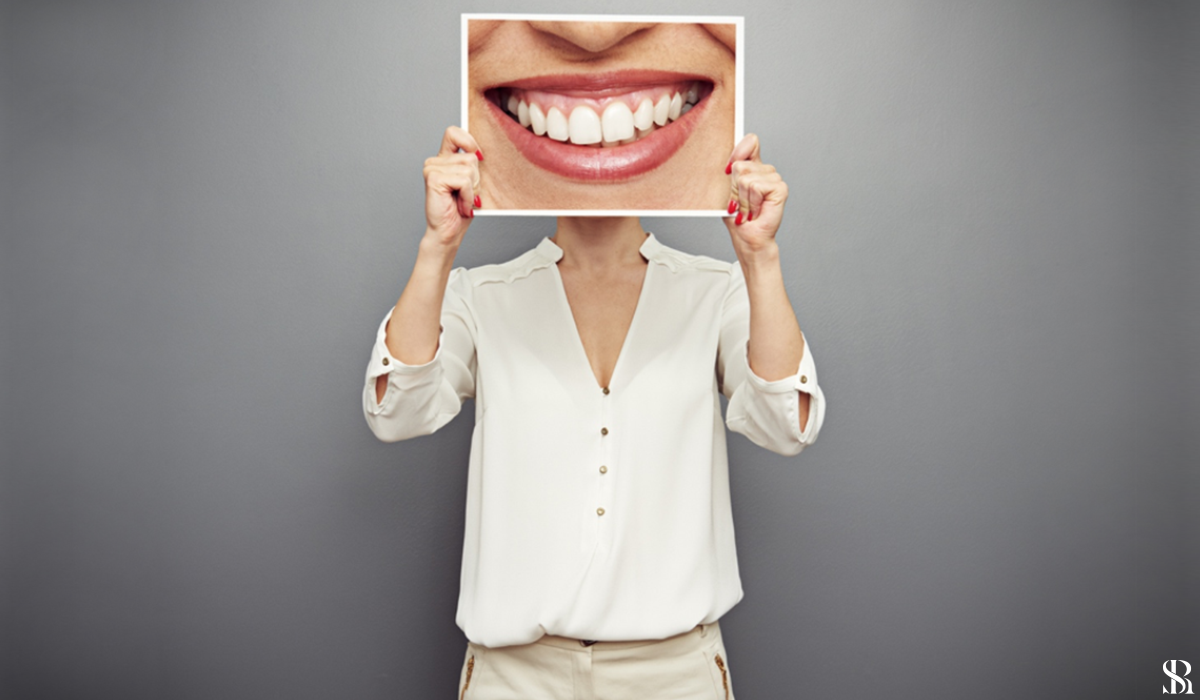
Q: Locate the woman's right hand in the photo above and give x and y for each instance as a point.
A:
(452, 187)
(451, 197)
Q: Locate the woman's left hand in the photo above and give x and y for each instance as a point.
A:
(776, 346)
(758, 193)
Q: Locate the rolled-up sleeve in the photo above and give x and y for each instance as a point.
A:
(766, 412)
(422, 398)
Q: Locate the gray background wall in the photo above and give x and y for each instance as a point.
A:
(991, 244)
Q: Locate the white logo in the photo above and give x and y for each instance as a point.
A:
(1179, 685)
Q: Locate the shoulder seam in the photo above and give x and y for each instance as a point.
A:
(507, 272)
(676, 260)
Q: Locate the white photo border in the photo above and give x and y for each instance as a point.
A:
(738, 99)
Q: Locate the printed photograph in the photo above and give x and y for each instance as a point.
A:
(616, 116)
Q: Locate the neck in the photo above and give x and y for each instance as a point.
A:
(590, 242)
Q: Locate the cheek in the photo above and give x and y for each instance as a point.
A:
(504, 173)
(477, 120)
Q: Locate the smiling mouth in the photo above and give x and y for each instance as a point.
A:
(607, 127)
(606, 121)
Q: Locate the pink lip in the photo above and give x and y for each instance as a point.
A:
(600, 164)
(599, 82)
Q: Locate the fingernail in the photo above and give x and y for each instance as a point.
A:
(479, 155)
(478, 202)
(732, 206)
(749, 217)
(738, 220)
(729, 168)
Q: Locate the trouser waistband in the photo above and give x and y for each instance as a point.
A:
(681, 640)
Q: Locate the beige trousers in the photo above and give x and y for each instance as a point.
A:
(689, 666)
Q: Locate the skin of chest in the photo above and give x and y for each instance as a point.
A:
(603, 305)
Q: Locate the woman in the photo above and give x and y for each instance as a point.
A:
(599, 551)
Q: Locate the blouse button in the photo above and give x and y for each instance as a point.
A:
(804, 379)
(604, 431)
(603, 470)
(599, 511)
(606, 391)
(385, 360)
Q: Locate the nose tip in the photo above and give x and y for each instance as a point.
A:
(594, 37)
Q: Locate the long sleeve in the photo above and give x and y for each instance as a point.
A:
(768, 413)
(422, 398)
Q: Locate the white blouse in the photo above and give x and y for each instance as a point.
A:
(594, 512)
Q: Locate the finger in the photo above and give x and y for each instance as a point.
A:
(746, 168)
(466, 198)
(735, 196)
(751, 183)
(466, 202)
(771, 192)
(749, 199)
(443, 168)
(756, 191)
(747, 176)
(746, 149)
(471, 163)
(473, 196)
(745, 188)
(456, 160)
(737, 170)
(456, 182)
(470, 197)
(456, 138)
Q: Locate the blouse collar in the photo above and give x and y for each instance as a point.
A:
(650, 249)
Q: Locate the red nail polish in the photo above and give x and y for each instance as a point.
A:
(729, 168)
(732, 206)
(479, 155)
(478, 202)
(738, 220)
(749, 217)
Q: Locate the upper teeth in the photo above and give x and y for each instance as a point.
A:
(537, 119)
(618, 122)
(643, 118)
(584, 126)
(556, 125)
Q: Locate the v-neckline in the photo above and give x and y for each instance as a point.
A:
(629, 332)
